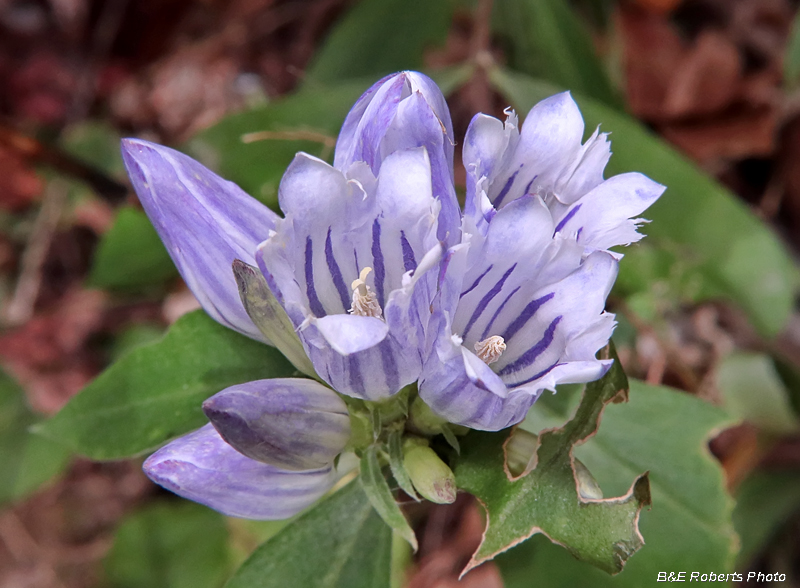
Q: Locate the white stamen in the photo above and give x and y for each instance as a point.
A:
(490, 350)
(365, 303)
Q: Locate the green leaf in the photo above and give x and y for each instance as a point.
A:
(764, 503)
(689, 524)
(28, 461)
(170, 545)
(602, 532)
(307, 121)
(155, 392)
(379, 37)
(339, 543)
(377, 490)
(753, 391)
(791, 61)
(130, 255)
(95, 142)
(697, 219)
(548, 40)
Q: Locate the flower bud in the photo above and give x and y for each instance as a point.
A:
(404, 111)
(200, 466)
(431, 477)
(205, 223)
(290, 423)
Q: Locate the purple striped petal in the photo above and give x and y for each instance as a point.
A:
(204, 221)
(404, 111)
(337, 225)
(603, 218)
(459, 387)
(547, 159)
(289, 423)
(202, 467)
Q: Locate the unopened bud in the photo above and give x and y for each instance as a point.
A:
(432, 478)
(290, 423)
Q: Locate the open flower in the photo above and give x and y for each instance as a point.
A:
(522, 297)
(343, 288)
(350, 264)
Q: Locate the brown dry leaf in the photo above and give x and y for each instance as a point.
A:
(746, 133)
(58, 537)
(653, 53)
(451, 536)
(707, 79)
(659, 6)
(48, 354)
(19, 184)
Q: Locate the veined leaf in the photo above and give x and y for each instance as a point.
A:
(736, 254)
(339, 543)
(603, 532)
(689, 524)
(155, 392)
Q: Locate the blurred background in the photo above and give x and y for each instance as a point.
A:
(701, 95)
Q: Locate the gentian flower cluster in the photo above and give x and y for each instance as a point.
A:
(374, 280)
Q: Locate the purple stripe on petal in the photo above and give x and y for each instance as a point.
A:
(476, 314)
(377, 262)
(389, 363)
(313, 300)
(506, 189)
(531, 354)
(486, 331)
(526, 315)
(409, 262)
(528, 187)
(578, 235)
(354, 371)
(336, 273)
(476, 282)
(536, 376)
(566, 219)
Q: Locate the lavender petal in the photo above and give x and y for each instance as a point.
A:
(202, 467)
(204, 221)
(289, 423)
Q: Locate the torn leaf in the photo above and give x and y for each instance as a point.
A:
(603, 532)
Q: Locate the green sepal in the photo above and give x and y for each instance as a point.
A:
(268, 315)
(380, 496)
(396, 464)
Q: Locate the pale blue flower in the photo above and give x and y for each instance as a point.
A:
(350, 269)
(522, 297)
